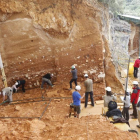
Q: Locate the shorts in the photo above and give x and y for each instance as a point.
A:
(77, 109)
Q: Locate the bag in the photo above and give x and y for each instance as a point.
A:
(112, 105)
(114, 112)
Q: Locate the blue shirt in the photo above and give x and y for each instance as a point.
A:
(76, 98)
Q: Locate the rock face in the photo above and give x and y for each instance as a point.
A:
(38, 37)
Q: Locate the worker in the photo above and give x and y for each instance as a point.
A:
(134, 98)
(88, 90)
(74, 76)
(77, 100)
(7, 92)
(14, 87)
(108, 97)
(20, 83)
(126, 101)
(47, 79)
(136, 66)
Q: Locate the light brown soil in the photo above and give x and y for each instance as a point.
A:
(54, 123)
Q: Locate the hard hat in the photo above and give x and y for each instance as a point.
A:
(108, 88)
(73, 67)
(135, 83)
(16, 83)
(128, 90)
(86, 75)
(78, 88)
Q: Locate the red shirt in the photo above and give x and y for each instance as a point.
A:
(135, 95)
(137, 63)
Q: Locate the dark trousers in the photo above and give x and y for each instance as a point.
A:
(135, 72)
(75, 80)
(91, 98)
(125, 113)
(134, 109)
(22, 83)
(23, 89)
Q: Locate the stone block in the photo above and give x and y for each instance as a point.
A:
(85, 71)
(124, 73)
(101, 75)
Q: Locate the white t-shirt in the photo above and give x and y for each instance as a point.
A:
(6, 91)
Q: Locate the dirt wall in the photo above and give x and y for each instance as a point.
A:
(38, 37)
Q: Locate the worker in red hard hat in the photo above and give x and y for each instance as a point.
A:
(136, 66)
(134, 98)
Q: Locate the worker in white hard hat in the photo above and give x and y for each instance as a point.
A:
(14, 87)
(47, 79)
(77, 100)
(108, 97)
(136, 66)
(19, 83)
(134, 98)
(7, 92)
(126, 101)
(74, 76)
(88, 90)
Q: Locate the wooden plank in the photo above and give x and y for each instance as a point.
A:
(4, 77)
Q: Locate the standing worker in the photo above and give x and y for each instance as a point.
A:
(74, 76)
(88, 90)
(77, 101)
(47, 79)
(134, 98)
(126, 101)
(18, 84)
(7, 92)
(136, 66)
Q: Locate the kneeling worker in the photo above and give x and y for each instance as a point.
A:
(77, 101)
(8, 92)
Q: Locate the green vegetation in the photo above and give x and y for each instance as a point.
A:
(128, 7)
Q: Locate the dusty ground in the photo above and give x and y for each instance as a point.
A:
(53, 122)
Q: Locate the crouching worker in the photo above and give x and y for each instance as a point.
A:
(14, 87)
(47, 79)
(7, 92)
(18, 84)
(77, 101)
(126, 101)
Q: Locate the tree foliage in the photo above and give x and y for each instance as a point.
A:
(129, 7)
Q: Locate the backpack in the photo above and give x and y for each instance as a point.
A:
(112, 105)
